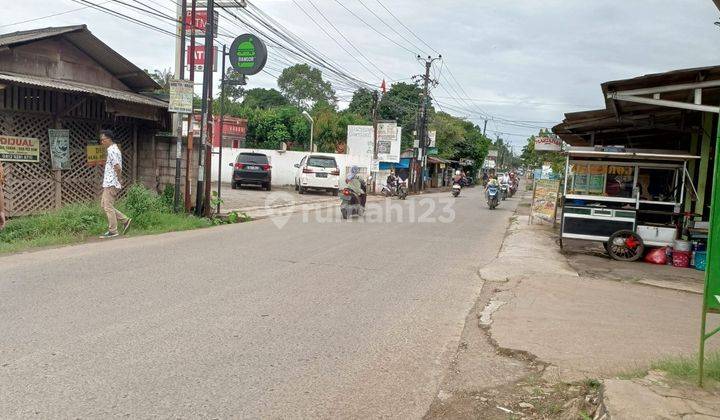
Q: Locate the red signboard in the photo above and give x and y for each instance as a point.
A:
(196, 57)
(201, 19)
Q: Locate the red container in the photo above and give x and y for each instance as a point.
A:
(681, 259)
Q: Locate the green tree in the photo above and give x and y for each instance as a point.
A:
(161, 77)
(362, 103)
(401, 103)
(263, 98)
(303, 86)
(234, 91)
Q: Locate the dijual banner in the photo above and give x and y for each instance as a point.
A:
(19, 149)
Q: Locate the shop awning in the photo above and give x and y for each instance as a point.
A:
(72, 86)
(403, 164)
(633, 154)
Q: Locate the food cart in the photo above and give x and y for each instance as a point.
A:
(627, 199)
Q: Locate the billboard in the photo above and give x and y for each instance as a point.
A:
(196, 57)
(388, 141)
(360, 141)
(201, 20)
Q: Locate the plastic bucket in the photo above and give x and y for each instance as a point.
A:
(700, 260)
(682, 246)
(681, 259)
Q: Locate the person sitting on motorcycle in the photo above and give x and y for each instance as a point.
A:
(505, 179)
(392, 181)
(485, 177)
(492, 182)
(457, 179)
(356, 184)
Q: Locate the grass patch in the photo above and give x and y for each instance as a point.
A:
(685, 367)
(76, 223)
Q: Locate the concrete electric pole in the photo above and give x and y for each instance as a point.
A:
(422, 129)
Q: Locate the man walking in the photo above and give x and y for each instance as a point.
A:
(111, 186)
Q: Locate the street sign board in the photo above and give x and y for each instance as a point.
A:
(196, 57)
(181, 96)
(388, 142)
(248, 54)
(59, 148)
(433, 136)
(96, 155)
(201, 20)
(548, 144)
(19, 149)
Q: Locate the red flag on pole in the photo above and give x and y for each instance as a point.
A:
(382, 86)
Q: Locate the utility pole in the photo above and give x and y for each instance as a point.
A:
(375, 126)
(206, 108)
(180, 74)
(191, 117)
(484, 128)
(422, 131)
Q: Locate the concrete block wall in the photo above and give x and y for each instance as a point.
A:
(156, 164)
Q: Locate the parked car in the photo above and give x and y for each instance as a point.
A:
(251, 169)
(317, 172)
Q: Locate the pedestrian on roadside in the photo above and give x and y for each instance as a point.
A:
(2, 197)
(111, 186)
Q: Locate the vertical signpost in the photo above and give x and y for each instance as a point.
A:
(711, 296)
(181, 103)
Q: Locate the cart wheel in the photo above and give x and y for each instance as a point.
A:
(625, 245)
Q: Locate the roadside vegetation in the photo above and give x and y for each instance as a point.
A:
(683, 367)
(151, 214)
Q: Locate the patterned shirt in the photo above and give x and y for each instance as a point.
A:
(114, 157)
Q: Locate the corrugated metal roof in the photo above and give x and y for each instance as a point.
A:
(21, 37)
(131, 75)
(71, 86)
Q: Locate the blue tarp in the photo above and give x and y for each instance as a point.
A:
(404, 164)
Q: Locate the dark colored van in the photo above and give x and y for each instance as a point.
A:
(251, 169)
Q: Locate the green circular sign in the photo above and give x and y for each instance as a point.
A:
(248, 54)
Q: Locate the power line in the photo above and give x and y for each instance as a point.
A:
(374, 29)
(406, 28)
(391, 28)
(341, 34)
(49, 16)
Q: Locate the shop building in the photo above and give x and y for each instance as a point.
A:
(62, 79)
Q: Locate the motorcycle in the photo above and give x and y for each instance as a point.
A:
(352, 204)
(492, 197)
(504, 191)
(391, 191)
(456, 189)
(513, 187)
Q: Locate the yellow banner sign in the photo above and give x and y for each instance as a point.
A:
(96, 155)
(19, 149)
(545, 197)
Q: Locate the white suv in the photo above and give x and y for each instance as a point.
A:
(317, 172)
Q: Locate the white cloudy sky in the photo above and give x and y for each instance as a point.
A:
(517, 60)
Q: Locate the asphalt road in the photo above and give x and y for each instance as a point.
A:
(317, 319)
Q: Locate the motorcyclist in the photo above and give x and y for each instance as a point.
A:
(485, 177)
(505, 179)
(457, 178)
(356, 184)
(492, 182)
(392, 181)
